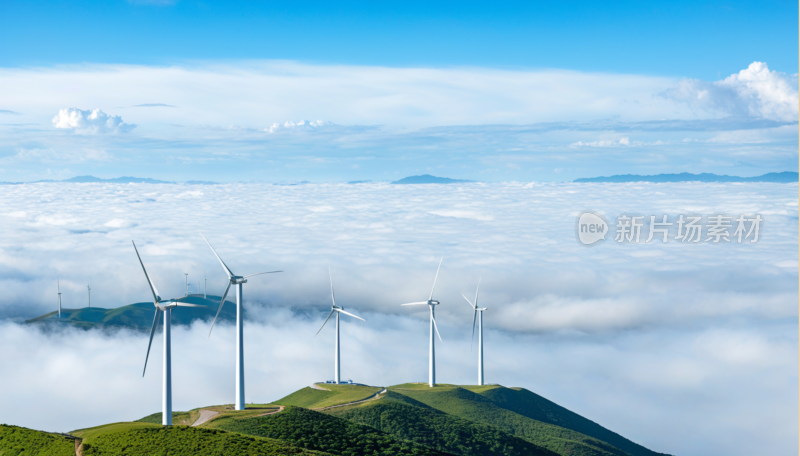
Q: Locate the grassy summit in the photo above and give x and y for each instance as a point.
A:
(353, 420)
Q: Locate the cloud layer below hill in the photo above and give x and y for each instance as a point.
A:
(698, 338)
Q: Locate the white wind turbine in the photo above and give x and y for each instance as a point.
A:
(337, 310)
(478, 312)
(166, 307)
(58, 283)
(233, 279)
(431, 355)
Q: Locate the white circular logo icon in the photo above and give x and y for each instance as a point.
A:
(591, 228)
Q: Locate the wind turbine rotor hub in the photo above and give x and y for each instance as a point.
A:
(238, 280)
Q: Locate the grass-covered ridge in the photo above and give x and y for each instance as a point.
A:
(317, 431)
(460, 402)
(331, 395)
(20, 441)
(411, 420)
(184, 440)
(533, 406)
(185, 418)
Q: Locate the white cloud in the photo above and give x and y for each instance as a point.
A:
(90, 122)
(755, 91)
(302, 124)
(623, 141)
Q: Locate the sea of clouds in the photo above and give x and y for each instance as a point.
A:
(686, 349)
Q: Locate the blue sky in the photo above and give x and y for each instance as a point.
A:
(278, 92)
(704, 40)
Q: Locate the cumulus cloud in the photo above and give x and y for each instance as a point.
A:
(90, 121)
(299, 125)
(755, 92)
(696, 337)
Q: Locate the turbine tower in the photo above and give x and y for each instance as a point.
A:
(431, 352)
(89, 296)
(477, 312)
(205, 284)
(58, 283)
(233, 279)
(187, 282)
(337, 366)
(166, 307)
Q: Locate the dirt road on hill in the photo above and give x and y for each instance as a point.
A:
(373, 397)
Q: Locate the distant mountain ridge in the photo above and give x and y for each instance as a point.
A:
(783, 178)
(428, 179)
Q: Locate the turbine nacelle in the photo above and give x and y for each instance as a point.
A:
(238, 280)
(433, 302)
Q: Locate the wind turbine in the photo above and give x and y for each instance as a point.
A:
(205, 284)
(337, 310)
(233, 279)
(89, 296)
(478, 312)
(431, 354)
(166, 307)
(58, 283)
(187, 282)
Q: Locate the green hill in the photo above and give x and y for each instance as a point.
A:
(144, 439)
(533, 406)
(460, 402)
(137, 316)
(317, 431)
(19, 441)
(352, 420)
(329, 396)
(410, 420)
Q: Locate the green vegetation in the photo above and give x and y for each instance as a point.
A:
(90, 433)
(332, 395)
(185, 418)
(317, 431)
(533, 406)
(465, 404)
(20, 441)
(183, 440)
(352, 420)
(399, 415)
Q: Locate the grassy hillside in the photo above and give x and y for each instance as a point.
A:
(19, 441)
(465, 404)
(137, 316)
(181, 440)
(532, 405)
(185, 418)
(335, 395)
(401, 416)
(317, 431)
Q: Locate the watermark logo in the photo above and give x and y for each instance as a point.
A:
(591, 228)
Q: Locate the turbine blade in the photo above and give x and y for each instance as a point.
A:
(221, 303)
(476, 292)
(472, 339)
(436, 328)
(323, 324)
(415, 303)
(152, 287)
(470, 302)
(152, 331)
(259, 273)
(58, 282)
(437, 276)
(186, 304)
(333, 298)
(224, 266)
(348, 313)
